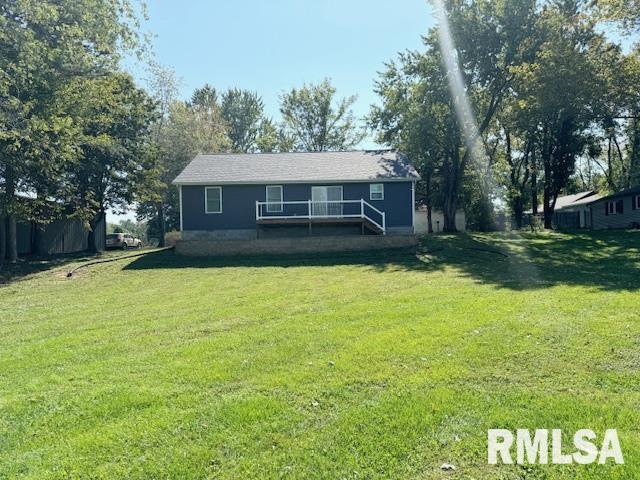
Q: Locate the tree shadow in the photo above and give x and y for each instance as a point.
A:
(383, 260)
(517, 261)
(32, 265)
(606, 260)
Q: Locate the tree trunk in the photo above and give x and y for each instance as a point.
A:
(161, 224)
(428, 202)
(452, 190)
(634, 161)
(3, 239)
(91, 238)
(12, 238)
(449, 212)
(534, 182)
(518, 210)
(12, 230)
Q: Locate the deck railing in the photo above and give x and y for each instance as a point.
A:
(309, 209)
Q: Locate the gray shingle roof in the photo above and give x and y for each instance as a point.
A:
(364, 165)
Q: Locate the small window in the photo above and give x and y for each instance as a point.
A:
(636, 200)
(376, 191)
(611, 208)
(213, 200)
(274, 198)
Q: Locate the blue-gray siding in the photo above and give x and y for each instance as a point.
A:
(627, 219)
(239, 204)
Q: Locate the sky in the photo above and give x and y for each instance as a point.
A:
(272, 46)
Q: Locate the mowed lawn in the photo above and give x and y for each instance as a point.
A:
(356, 366)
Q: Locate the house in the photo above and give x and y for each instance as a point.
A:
(619, 210)
(573, 211)
(262, 195)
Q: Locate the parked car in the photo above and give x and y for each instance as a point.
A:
(123, 241)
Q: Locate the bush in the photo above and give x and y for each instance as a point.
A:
(171, 238)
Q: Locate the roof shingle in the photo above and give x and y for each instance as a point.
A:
(297, 167)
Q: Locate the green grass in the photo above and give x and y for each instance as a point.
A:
(356, 366)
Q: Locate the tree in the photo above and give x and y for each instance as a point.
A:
(182, 131)
(450, 96)
(115, 117)
(557, 98)
(314, 123)
(43, 47)
(242, 111)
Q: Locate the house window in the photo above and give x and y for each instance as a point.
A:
(274, 198)
(213, 200)
(376, 191)
(615, 207)
(636, 202)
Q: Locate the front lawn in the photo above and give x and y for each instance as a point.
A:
(379, 365)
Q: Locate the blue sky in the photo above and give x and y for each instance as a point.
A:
(271, 46)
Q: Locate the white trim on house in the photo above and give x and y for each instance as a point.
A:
(372, 192)
(273, 207)
(636, 199)
(180, 204)
(206, 197)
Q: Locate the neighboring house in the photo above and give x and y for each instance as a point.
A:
(244, 196)
(619, 210)
(571, 211)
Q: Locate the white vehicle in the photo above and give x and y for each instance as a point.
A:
(123, 241)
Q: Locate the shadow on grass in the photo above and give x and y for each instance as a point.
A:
(607, 260)
(602, 260)
(33, 265)
(395, 259)
(28, 266)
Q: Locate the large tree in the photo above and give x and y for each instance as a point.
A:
(316, 121)
(114, 141)
(43, 47)
(439, 103)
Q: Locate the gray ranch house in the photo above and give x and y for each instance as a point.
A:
(619, 210)
(248, 196)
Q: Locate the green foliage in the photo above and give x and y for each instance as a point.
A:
(44, 48)
(314, 123)
(242, 111)
(137, 229)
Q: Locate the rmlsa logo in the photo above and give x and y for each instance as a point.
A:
(536, 450)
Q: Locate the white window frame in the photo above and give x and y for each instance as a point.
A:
(612, 208)
(371, 192)
(637, 200)
(206, 198)
(274, 207)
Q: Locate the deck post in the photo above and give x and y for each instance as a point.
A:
(384, 224)
(362, 207)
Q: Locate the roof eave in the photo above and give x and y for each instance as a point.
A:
(295, 182)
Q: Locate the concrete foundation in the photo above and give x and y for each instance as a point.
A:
(298, 245)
